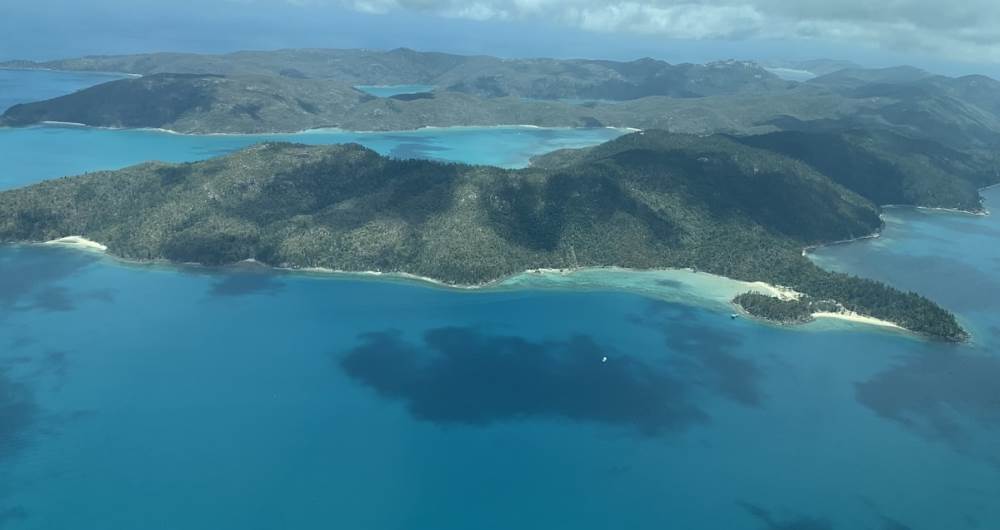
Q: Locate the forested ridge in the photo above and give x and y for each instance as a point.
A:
(651, 200)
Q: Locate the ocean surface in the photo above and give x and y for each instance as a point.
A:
(37, 153)
(384, 91)
(792, 74)
(23, 86)
(161, 397)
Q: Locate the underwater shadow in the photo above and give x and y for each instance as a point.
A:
(28, 276)
(704, 353)
(937, 394)
(461, 375)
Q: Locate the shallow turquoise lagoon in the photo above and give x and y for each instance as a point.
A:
(36, 153)
(385, 91)
(31, 154)
(156, 397)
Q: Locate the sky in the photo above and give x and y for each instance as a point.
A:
(953, 38)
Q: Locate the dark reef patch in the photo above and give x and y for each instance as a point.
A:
(892, 524)
(246, 283)
(22, 341)
(58, 298)
(12, 515)
(53, 298)
(412, 96)
(18, 414)
(769, 522)
(465, 376)
(27, 275)
(410, 150)
(936, 392)
(704, 354)
(56, 363)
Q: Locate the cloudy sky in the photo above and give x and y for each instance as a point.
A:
(958, 36)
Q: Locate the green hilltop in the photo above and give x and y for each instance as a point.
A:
(646, 200)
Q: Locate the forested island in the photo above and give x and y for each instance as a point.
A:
(736, 170)
(479, 75)
(647, 200)
(291, 90)
(895, 135)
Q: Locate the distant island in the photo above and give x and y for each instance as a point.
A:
(894, 135)
(292, 90)
(478, 75)
(646, 200)
(734, 172)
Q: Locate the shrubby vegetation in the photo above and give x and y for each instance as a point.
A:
(479, 75)
(772, 308)
(646, 200)
(889, 168)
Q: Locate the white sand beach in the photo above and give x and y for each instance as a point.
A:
(79, 242)
(676, 285)
(851, 316)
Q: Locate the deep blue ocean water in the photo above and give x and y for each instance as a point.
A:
(157, 397)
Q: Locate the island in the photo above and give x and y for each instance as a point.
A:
(480, 75)
(897, 135)
(292, 90)
(647, 200)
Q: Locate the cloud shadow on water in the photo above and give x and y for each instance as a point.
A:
(459, 375)
(704, 352)
(938, 394)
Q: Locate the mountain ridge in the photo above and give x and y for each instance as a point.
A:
(657, 200)
(482, 75)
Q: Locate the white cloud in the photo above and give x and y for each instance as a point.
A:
(965, 29)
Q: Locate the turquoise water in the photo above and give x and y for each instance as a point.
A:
(384, 91)
(792, 74)
(37, 153)
(155, 397)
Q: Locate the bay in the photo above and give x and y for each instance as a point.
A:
(161, 397)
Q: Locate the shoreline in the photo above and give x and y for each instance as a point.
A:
(878, 233)
(980, 213)
(43, 69)
(321, 130)
(681, 285)
(874, 235)
(851, 316)
(78, 242)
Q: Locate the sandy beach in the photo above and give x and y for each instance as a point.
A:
(851, 316)
(671, 284)
(79, 242)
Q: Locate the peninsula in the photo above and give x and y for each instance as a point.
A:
(646, 200)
